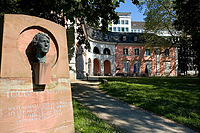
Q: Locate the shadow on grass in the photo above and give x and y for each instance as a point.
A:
(125, 117)
(173, 97)
(86, 122)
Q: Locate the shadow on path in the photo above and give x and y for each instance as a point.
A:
(124, 117)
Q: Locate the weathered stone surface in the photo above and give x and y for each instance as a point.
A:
(23, 110)
(18, 32)
(42, 73)
(25, 106)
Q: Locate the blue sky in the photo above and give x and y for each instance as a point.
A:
(128, 6)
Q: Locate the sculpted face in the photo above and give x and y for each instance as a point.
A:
(43, 44)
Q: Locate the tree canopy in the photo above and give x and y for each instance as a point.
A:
(94, 12)
(159, 18)
(188, 20)
(179, 18)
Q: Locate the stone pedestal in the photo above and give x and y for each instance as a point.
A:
(42, 73)
(25, 110)
(23, 107)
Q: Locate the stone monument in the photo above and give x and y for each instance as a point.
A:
(35, 91)
(41, 69)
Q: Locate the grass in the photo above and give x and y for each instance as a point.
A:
(175, 98)
(86, 122)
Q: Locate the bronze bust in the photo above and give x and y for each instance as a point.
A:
(41, 45)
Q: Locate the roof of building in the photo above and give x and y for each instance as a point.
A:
(123, 13)
(112, 36)
(137, 25)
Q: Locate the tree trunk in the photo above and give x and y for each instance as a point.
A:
(198, 68)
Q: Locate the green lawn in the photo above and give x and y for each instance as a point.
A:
(173, 97)
(86, 122)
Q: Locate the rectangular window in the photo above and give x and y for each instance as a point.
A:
(110, 28)
(166, 52)
(148, 67)
(138, 31)
(126, 22)
(122, 29)
(118, 29)
(135, 39)
(122, 22)
(118, 21)
(147, 52)
(125, 51)
(124, 38)
(137, 67)
(114, 29)
(126, 66)
(135, 30)
(137, 51)
(126, 29)
(167, 67)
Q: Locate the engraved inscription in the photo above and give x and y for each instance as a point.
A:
(14, 94)
(34, 112)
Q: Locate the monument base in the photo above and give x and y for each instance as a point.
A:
(42, 73)
(23, 110)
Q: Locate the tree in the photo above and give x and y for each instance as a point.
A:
(96, 13)
(56, 10)
(160, 17)
(188, 20)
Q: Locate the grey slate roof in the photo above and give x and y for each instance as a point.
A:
(137, 25)
(112, 36)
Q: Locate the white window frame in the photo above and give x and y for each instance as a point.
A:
(135, 53)
(122, 21)
(138, 65)
(114, 29)
(125, 51)
(118, 29)
(168, 52)
(126, 22)
(167, 67)
(127, 29)
(123, 29)
(126, 66)
(149, 66)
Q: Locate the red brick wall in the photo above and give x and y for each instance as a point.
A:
(143, 58)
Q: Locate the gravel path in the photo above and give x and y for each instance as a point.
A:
(124, 117)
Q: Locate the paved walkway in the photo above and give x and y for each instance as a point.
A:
(124, 117)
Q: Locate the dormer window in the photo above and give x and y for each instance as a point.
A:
(135, 38)
(105, 36)
(124, 38)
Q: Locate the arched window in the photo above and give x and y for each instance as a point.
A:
(96, 50)
(106, 51)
